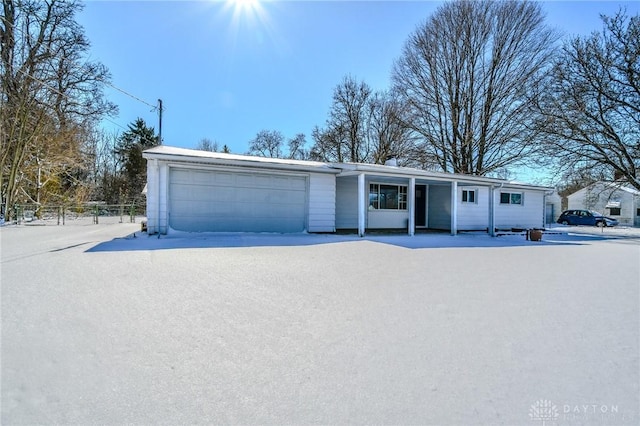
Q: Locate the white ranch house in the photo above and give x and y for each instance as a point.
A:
(612, 199)
(200, 191)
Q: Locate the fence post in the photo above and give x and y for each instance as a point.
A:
(59, 211)
(95, 215)
(132, 213)
(121, 213)
(64, 212)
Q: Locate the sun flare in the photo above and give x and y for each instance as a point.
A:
(243, 6)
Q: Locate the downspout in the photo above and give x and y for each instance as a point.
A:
(492, 208)
(361, 204)
(454, 207)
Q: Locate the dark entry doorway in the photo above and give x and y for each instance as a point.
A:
(421, 205)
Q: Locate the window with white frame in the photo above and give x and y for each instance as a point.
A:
(387, 197)
(614, 208)
(511, 198)
(469, 196)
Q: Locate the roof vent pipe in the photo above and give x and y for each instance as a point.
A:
(391, 161)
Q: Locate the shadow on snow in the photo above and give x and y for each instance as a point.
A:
(142, 241)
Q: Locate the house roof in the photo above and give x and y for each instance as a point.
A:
(170, 153)
(609, 186)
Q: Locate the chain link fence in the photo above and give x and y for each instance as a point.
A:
(87, 213)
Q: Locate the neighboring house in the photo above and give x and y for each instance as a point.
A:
(201, 191)
(612, 199)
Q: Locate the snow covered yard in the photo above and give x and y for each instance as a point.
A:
(101, 327)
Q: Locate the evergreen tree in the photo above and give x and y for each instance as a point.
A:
(133, 168)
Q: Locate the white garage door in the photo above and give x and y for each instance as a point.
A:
(236, 202)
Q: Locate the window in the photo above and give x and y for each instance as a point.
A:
(638, 211)
(387, 197)
(468, 196)
(614, 211)
(511, 198)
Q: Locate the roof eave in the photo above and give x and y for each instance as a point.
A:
(352, 169)
(248, 163)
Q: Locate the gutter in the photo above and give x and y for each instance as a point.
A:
(239, 163)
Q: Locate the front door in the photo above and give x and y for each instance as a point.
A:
(421, 205)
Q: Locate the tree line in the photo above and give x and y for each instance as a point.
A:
(484, 87)
(480, 87)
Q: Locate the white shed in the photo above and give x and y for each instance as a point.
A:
(612, 199)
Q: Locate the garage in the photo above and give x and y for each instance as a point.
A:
(229, 201)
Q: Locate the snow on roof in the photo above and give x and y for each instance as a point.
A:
(409, 171)
(183, 154)
(208, 156)
(610, 186)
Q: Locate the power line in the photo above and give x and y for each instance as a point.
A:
(14, 27)
(130, 95)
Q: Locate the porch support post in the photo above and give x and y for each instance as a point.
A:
(454, 208)
(492, 211)
(362, 205)
(411, 202)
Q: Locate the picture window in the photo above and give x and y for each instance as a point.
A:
(387, 197)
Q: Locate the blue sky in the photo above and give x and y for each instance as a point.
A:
(225, 72)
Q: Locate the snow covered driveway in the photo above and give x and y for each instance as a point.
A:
(99, 327)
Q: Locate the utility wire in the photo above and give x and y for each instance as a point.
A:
(155, 107)
(14, 27)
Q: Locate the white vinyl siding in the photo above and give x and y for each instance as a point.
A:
(322, 203)
(474, 216)
(528, 214)
(388, 219)
(157, 197)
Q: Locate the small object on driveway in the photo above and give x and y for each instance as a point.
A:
(534, 235)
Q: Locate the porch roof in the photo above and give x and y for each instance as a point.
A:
(352, 169)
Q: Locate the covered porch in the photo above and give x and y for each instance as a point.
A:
(371, 197)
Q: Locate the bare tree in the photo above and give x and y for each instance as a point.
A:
(51, 93)
(297, 149)
(344, 136)
(387, 134)
(466, 75)
(327, 145)
(592, 112)
(104, 178)
(207, 144)
(267, 143)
